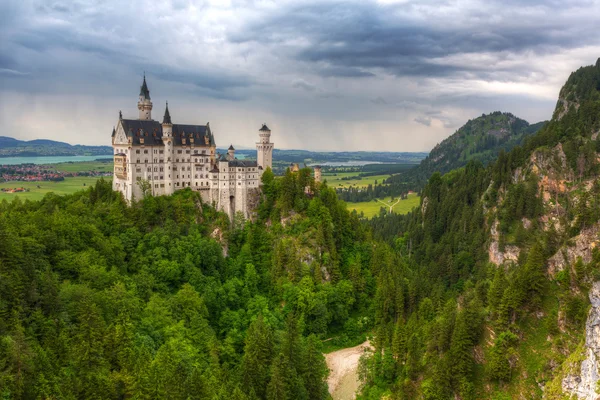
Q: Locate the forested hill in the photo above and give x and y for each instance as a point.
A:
(10, 147)
(166, 299)
(495, 272)
(480, 139)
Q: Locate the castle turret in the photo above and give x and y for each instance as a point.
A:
(317, 173)
(167, 138)
(264, 148)
(144, 103)
(231, 153)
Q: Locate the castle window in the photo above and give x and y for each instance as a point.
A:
(183, 141)
(161, 177)
(149, 169)
(187, 152)
(142, 142)
(177, 160)
(138, 170)
(137, 152)
(162, 185)
(162, 169)
(156, 185)
(145, 151)
(155, 151)
(178, 151)
(161, 152)
(137, 161)
(195, 160)
(146, 161)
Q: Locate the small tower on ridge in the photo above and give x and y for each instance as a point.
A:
(144, 103)
(317, 170)
(231, 153)
(264, 148)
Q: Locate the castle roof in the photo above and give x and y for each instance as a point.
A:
(242, 163)
(167, 117)
(144, 89)
(151, 132)
(231, 147)
(265, 128)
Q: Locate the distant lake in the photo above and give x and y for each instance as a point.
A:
(346, 163)
(49, 159)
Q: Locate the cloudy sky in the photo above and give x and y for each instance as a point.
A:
(324, 75)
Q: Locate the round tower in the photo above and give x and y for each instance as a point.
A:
(231, 153)
(144, 103)
(264, 148)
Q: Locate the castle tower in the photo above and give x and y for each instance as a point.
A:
(167, 128)
(144, 103)
(264, 148)
(317, 174)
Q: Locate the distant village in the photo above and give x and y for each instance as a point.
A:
(38, 173)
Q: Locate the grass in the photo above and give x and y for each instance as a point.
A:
(84, 166)
(371, 208)
(336, 182)
(68, 186)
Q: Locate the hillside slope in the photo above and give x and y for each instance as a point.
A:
(480, 139)
(496, 293)
(11, 147)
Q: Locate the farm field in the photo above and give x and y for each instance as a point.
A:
(336, 181)
(84, 166)
(68, 186)
(371, 208)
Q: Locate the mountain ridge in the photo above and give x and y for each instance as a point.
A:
(481, 139)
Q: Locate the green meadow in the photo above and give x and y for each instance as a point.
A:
(371, 208)
(37, 190)
(336, 181)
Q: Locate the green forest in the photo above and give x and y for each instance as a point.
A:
(167, 298)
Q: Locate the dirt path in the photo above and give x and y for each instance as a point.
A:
(343, 376)
(387, 205)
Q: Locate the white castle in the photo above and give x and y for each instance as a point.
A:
(158, 159)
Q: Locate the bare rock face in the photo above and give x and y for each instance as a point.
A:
(583, 245)
(510, 253)
(584, 385)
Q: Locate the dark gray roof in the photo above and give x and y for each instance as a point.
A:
(242, 163)
(144, 89)
(167, 117)
(265, 128)
(114, 132)
(151, 131)
(231, 147)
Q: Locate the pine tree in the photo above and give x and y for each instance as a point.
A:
(258, 353)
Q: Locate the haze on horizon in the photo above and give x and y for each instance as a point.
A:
(324, 75)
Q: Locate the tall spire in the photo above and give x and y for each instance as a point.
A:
(167, 117)
(144, 89)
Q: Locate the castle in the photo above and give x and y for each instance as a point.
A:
(159, 158)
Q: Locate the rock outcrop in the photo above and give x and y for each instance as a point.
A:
(584, 385)
(582, 246)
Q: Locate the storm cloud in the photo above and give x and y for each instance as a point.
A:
(322, 73)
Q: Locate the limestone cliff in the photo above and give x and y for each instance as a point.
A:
(584, 384)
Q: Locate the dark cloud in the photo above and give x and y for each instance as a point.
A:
(423, 120)
(302, 84)
(357, 36)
